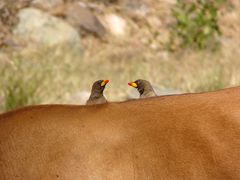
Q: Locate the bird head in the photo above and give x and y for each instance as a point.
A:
(140, 84)
(99, 86)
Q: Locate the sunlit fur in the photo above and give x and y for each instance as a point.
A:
(192, 136)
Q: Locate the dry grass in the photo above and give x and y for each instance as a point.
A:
(52, 76)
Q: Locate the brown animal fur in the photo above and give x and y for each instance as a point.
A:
(195, 136)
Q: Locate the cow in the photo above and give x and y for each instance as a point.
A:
(189, 136)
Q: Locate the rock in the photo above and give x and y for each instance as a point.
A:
(80, 16)
(39, 27)
(136, 9)
(133, 93)
(116, 25)
(79, 98)
(46, 4)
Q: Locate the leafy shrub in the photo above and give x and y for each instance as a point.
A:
(196, 24)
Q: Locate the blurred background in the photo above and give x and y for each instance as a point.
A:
(51, 51)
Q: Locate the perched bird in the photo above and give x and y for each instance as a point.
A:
(97, 96)
(144, 88)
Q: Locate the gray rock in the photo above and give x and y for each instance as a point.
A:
(133, 93)
(80, 16)
(137, 9)
(42, 28)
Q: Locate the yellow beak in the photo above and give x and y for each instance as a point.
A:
(104, 82)
(133, 84)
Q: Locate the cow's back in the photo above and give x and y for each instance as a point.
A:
(174, 137)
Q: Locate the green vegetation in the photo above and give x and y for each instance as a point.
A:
(18, 90)
(28, 79)
(196, 25)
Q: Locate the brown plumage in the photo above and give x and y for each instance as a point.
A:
(144, 88)
(97, 96)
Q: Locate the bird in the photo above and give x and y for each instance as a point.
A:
(144, 88)
(96, 96)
